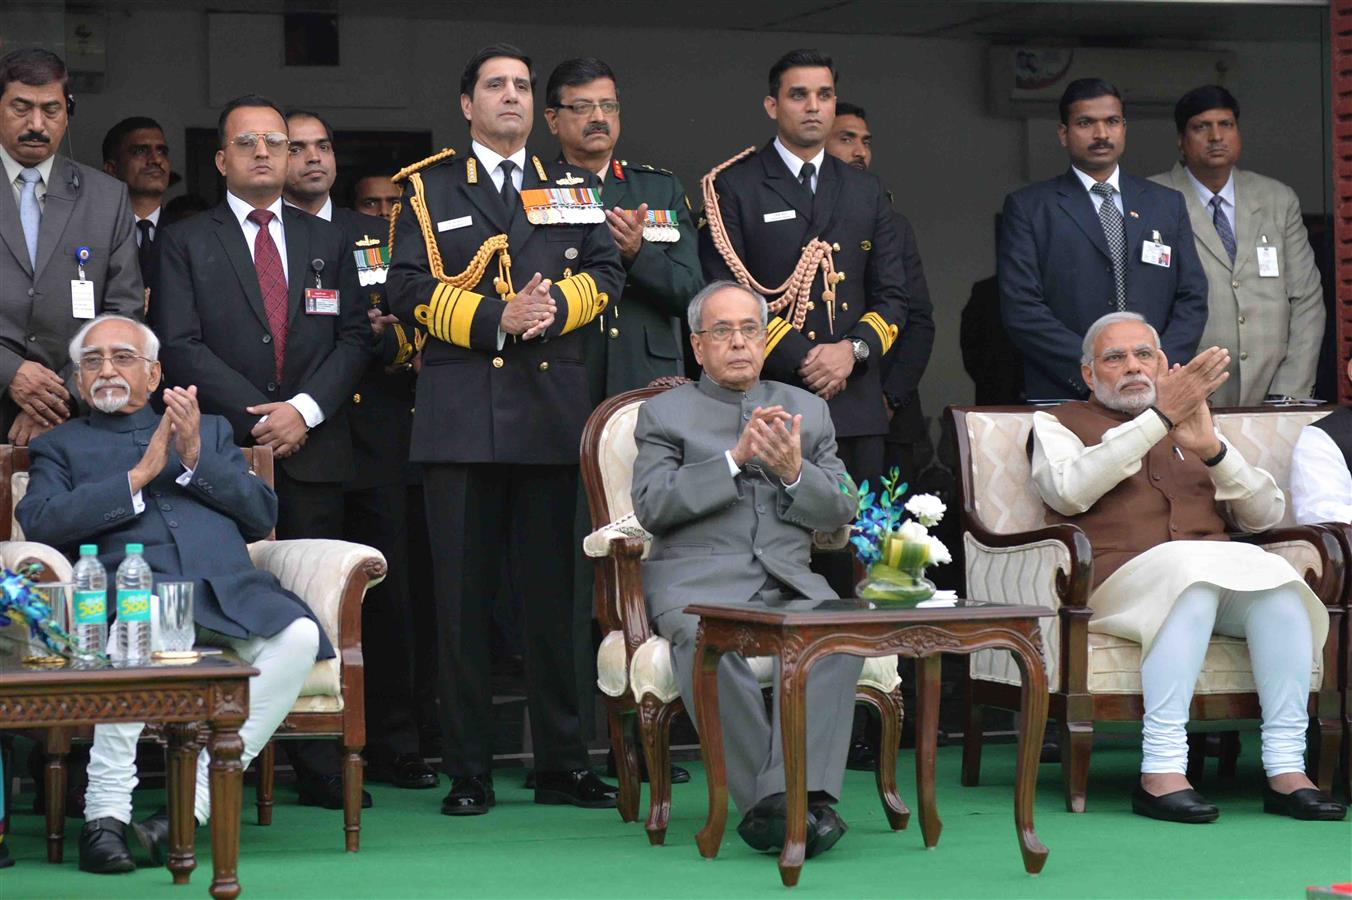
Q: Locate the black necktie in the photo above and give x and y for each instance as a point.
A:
(805, 176)
(143, 252)
(508, 191)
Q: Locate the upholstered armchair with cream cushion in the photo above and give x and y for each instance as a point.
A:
(633, 664)
(330, 576)
(1014, 556)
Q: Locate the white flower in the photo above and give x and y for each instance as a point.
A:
(938, 553)
(927, 508)
(913, 531)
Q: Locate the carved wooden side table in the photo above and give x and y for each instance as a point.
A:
(802, 632)
(212, 690)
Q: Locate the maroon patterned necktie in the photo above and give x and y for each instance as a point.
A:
(271, 283)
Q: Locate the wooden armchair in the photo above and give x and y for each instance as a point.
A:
(330, 576)
(633, 664)
(1013, 556)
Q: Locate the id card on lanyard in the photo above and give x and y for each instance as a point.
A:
(82, 304)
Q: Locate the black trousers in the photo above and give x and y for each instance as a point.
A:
(377, 517)
(476, 514)
(422, 611)
(863, 459)
(309, 509)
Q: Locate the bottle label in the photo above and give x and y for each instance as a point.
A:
(133, 605)
(91, 607)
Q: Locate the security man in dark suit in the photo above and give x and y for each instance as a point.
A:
(818, 239)
(1091, 241)
(381, 419)
(504, 259)
(648, 214)
(851, 142)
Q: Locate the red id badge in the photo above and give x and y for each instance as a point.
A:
(321, 302)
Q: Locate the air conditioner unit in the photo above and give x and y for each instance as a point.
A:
(1026, 82)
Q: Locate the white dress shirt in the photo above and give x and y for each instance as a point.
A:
(1227, 195)
(154, 220)
(795, 164)
(304, 403)
(1321, 485)
(12, 169)
(492, 160)
(325, 211)
(1089, 181)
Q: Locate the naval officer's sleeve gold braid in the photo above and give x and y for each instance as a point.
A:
(887, 332)
(584, 301)
(449, 312)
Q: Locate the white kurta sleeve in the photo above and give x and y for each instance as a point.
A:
(1321, 485)
(1072, 477)
(1253, 502)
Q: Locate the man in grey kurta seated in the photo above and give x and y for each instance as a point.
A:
(1141, 468)
(732, 477)
(176, 484)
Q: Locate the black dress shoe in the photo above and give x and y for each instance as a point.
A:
(678, 774)
(326, 791)
(5, 859)
(153, 835)
(1186, 806)
(408, 770)
(580, 787)
(470, 795)
(103, 847)
(829, 828)
(1307, 804)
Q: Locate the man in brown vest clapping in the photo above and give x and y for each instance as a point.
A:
(1141, 469)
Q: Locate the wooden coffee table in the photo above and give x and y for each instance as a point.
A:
(802, 632)
(212, 690)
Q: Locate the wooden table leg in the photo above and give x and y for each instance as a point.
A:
(707, 659)
(54, 782)
(927, 677)
(793, 740)
(227, 788)
(1032, 724)
(183, 751)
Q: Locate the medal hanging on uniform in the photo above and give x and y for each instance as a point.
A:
(660, 226)
(373, 261)
(563, 206)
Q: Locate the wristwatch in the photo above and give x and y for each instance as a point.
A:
(860, 349)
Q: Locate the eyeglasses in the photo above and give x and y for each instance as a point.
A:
(586, 107)
(276, 140)
(723, 333)
(1116, 359)
(122, 360)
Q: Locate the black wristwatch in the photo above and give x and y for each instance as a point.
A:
(860, 349)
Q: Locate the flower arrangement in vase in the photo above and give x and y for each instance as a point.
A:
(896, 548)
(24, 602)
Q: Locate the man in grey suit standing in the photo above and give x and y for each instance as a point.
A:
(1265, 301)
(70, 242)
(733, 475)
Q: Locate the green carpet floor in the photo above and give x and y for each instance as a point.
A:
(523, 850)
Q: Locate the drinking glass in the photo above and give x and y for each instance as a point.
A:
(173, 615)
(56, 594)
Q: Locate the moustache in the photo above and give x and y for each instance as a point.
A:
(36, 136)
(596, 128)
(114, 382)
(1101, 145)
(1134, 379)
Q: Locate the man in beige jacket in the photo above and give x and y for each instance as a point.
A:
(1265, 303)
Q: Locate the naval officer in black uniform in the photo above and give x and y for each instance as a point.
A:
(501, 401)
(765, 211)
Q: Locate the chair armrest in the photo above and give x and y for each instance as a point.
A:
(55, 566)
(627, 553)
(1074, 576)
(1342, 533)
(332, 578)
(598, 544)
(1314, 552)
(831, 540)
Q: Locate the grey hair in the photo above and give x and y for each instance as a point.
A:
(695, 312)
(1112, 318)
(148, 337)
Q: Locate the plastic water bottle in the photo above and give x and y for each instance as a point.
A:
(133, 605)
(89, 622)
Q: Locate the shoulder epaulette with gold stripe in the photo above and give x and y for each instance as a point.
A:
(446, 153)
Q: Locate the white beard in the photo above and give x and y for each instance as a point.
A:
(1113, 398)
(110, 402)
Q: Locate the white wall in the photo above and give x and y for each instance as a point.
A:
(693, 98)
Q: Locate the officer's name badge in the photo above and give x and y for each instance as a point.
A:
(372, 264)
(563, 206)
(661, 226)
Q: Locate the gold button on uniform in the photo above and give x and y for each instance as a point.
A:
(812, 335)
(614, 332)
(497, 362)
(544, 367)
(835, 248)
(845, 306)
(866, 246)
(356, 398)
